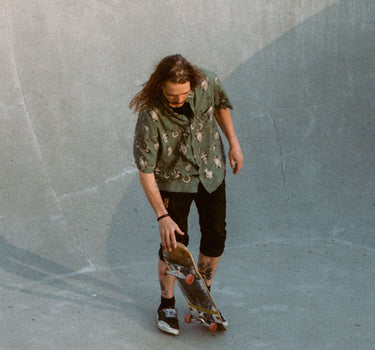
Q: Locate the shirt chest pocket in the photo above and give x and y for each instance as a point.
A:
(204, 110)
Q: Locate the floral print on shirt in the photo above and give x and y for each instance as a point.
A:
(182, 152)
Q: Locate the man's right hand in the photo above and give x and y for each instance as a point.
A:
(168, 230)
(167, 227)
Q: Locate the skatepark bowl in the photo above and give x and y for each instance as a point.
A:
(78, 239)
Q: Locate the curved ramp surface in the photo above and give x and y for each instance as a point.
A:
(78, 240)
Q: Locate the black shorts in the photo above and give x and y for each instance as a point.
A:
(212, 213)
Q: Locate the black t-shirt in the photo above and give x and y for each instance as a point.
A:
(185, 109)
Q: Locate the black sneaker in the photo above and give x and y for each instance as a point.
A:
(168, 321)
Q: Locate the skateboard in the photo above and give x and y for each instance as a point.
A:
(203, 310)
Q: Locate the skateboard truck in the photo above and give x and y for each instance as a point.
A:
(199, 317)
(189, 278)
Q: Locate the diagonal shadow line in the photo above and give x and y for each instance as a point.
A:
(113, 308)
(32, 267)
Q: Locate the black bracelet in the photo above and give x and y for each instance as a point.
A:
(162, 217)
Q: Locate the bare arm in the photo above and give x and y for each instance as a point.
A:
(225, 122)
(167, 227)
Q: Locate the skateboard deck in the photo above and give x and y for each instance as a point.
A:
(203, 310)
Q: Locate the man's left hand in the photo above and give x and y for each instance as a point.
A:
(235, 158)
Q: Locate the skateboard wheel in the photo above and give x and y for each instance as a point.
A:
(189, 279)
(188, 318)
(213, 327)
(164, 271)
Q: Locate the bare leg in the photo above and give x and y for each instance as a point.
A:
(166, 282)
(207, 267)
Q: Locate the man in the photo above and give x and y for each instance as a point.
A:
(179, 154)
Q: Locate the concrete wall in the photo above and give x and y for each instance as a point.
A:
(77, 236)
(301, 77)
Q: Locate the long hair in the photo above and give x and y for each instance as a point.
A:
(173, 68)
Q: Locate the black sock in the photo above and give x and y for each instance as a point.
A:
(167, 303)
(209, 288)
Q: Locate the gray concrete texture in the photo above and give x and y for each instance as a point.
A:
(78, 239)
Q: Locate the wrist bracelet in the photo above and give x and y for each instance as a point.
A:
(162, 217)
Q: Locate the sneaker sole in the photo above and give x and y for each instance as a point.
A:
(165, 327)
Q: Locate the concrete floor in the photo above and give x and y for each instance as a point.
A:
(78, 239)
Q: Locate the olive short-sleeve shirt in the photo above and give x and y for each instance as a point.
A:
(183, 151)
